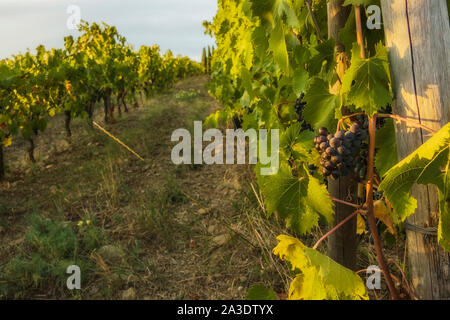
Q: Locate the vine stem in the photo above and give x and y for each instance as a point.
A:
(346, 203)
(348, 117)
(408, 287)
(370, 210)
(329, 233)
(359, 31)
(314, 20)
(408, 121)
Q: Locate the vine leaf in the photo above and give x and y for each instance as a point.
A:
(259, 292)
(386, 145)
(277, 45)
(325, 55)
(214, 120)
(360, 225)
(297, 143)
(300, 79)
(321, 105)
(298, 200)
(320, 278)
(444, 222)
(381, 211)
(367, 83)
(429, 164)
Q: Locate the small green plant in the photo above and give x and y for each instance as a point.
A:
(187, 95)
(91, 237)
(50, 246)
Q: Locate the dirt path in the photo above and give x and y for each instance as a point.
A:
(141, 229)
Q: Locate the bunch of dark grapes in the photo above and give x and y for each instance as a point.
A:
(299, 107)
(361, 162)
(338, 151)
(237, 122)
(382, 121)
(312, 169)
(360, 168)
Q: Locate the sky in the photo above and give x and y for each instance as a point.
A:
(172, 24)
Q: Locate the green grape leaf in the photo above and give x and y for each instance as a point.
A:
(325, 56)
(444, 221)
(300, 79)
(347, 35)
(277, 45)
(386, 145)
(299, 200)
(429, 164)
(250, 121)
(367, 82)
(214, 120)
(301, 55)
(321, 105)
(297, 143)
(321, 278)
(259, 292)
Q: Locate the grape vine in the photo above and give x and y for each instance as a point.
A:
(275, 66)
(98, 65)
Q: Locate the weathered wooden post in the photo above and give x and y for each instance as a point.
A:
(342, 244)
(418, 39)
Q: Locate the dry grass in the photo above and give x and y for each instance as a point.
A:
(188, 232)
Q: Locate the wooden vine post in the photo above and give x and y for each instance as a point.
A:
(342, 244)
(418, 40)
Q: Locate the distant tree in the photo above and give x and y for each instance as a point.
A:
(205, 61)
(209, 59)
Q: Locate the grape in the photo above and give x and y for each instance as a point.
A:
(312, 169)
(330, 151)
(336, 159)
(356, 143)
(329, 166)
(340, 134)
(347, 143)
(335, 143)
(336, 174)
(382, 121)
(323, 146)
(299, 107)
(323, 131)
(362, 135)
(355, 128)
(349, 135)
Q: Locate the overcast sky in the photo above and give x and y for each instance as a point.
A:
(172, 24)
